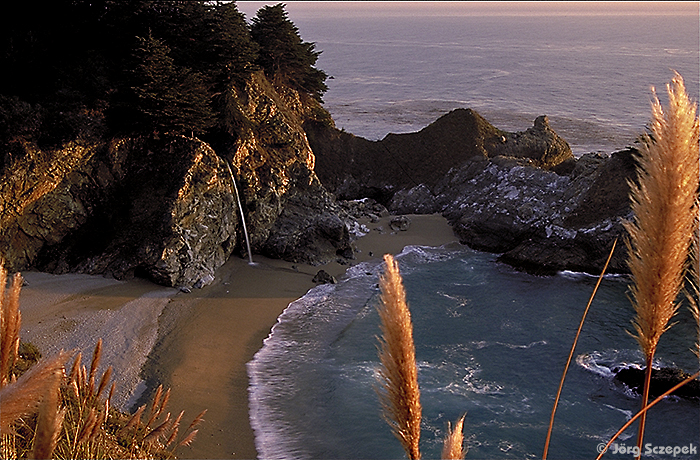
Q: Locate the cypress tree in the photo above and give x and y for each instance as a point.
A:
(169, 98)
(283, 55)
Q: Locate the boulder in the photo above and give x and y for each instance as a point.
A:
(400, 223)
(323, 277)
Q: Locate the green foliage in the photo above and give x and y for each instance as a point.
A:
(169, 98)
(283, 55)
(75, 69)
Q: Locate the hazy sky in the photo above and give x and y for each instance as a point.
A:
(297, 9)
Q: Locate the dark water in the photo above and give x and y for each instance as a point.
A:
(490, 341)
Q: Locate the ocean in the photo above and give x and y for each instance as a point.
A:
(491, 342)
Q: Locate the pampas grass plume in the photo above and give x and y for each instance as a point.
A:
(399, 393)
(453, 446)
(664, 206)
(664, 202)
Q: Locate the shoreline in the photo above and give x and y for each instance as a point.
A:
(195, 343)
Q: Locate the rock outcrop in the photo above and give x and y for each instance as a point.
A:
(290, 214)
(522, 195)
(352, 167)
(166, 208)
(662, 380)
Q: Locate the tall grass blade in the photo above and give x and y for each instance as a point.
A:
(23, 396)
(50, 418)
(453, 445)
(573, 348)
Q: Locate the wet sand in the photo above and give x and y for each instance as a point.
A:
(196, 343)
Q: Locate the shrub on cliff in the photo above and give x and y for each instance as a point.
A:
(74, 72)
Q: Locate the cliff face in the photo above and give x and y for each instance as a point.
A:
(160, 209)
(166, 208)
(290, 214)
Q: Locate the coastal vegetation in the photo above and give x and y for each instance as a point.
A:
(48, 413)
(663, 259)
(82, 71)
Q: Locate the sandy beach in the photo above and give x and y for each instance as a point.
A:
(195, 343)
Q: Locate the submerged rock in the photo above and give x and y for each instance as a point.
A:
(662, 380)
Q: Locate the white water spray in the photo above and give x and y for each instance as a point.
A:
(240, 208)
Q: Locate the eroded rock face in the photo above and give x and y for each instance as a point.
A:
(159, 209)
(522, 194)
(537, 219)
(290, 214)
(166, 209)
(354, 168)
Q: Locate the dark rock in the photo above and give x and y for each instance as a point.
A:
(540, 144)
(353, 168)
(662, 380)
(163, 210)
(417, 200)
(521, 194)
(308, 230)
(400, 223)
(323, 277)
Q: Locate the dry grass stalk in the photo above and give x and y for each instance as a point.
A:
(573, 349)
(693, 292)
(10, 321)
(50, 419)
(23, 396)
(73, 421)
(399, 393)
(453, 446)
(664, 204)
(189, 439)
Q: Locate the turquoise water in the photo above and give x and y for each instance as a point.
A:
(490, 341)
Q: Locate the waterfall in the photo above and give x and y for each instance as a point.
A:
(240, 208)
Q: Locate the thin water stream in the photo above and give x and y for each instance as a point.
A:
(240, 209)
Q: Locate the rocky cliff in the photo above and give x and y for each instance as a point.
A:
(166, 208)
(353, 167)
